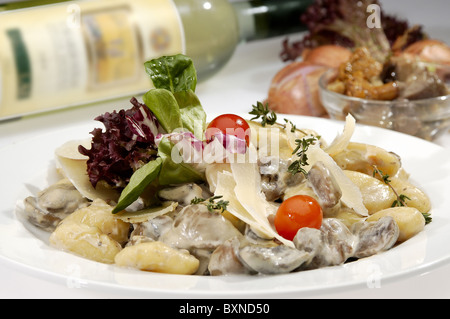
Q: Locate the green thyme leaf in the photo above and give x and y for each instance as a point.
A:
(262, 111)
(427, 217)
(300, 150)
(212, 204)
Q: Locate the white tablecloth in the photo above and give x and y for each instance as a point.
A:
(240, 84)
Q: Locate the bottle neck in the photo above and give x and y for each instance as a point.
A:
(20, 4)
(261, 19)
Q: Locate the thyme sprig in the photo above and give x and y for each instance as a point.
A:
(400, 201)
(301, 152)
(267, 116)
(293, 127)
(427, 217)
(401, 198)
(211, 203)
(270, 117)
(262, 111)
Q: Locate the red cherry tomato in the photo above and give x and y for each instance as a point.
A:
(297, 212)
(229, 124)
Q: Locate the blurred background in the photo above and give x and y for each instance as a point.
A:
(57, 54)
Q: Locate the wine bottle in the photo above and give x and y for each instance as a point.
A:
(261, 19)
(68, 53)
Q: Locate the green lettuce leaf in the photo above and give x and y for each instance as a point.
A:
(138, 183)
(174, 73)
(165, 107)
(193, 115)
(173, 172)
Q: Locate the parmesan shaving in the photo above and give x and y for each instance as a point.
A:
(291, 136)
(73, 166)
(225, 187)
(341, 141)
(76, 171)
(70, 149)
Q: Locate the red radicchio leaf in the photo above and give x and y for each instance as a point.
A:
(127, 143)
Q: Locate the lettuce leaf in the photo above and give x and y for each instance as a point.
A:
(174, 73)
(173, 172)
(165, 107)
(173, 101)
(138, 183)
(193, 116)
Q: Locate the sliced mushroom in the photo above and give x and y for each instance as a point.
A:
(272, 260)
(251, 236)
(203, 256)
(225, 261)
(153, 228)
(183, 194)
(332, 245)
(324, 185)
(196, 227)
(311, 241)
(275, 177)
(53, 204)
(375, 237)
(339, 239)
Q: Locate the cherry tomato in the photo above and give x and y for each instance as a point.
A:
(297, 212)
(229, 124)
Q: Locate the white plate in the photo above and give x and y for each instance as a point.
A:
(27, 167)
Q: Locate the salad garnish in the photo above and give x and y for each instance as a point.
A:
(175, 105)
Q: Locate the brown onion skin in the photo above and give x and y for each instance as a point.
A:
(295, 90)
(327, 55)
(430, 50)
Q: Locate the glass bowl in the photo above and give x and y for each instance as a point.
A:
(426, 118)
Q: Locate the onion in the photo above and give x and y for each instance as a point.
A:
(327, 55)
(295, 90)
(430, 51)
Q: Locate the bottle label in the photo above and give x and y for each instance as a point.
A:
(112, 45)
(68, 54)
(21, 62)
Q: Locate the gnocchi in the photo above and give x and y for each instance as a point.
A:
(85, 241)
(158, 257)
(376, 194)
(415, 196)
(98, 214)
(362, 157)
